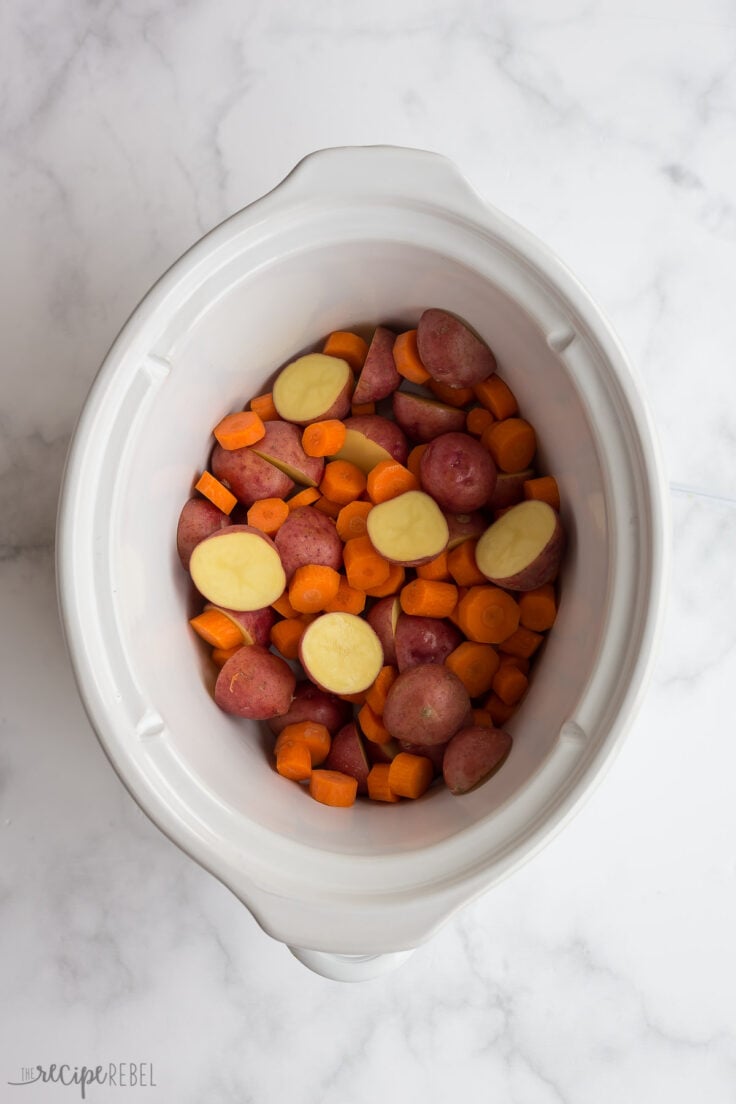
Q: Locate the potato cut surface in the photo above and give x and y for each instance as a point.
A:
(342, 653)
(240, 571)
(361, 451)
(308, 387)
(409, 528)
(516, 539)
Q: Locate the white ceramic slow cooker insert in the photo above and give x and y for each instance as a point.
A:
(353, 237)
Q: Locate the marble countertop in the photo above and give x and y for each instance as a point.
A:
(604, 969)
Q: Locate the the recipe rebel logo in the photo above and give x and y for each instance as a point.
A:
(118, 1075)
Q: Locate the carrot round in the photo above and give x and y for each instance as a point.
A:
(294, 761)
(347, 346)
(482, 718)
(488, 615)
(497, 397)
(477, 420)
(285, 636)
(378, 787)
(510, 684)
(425, 598)
(351, 520)
(363, 565)
(238, 430)
(333, 788)
(455, 615)
(263, 406)
(407, 360)
(437, 569)
(217, 629)
(512, 444)
(377, 693)
(303, 498)
(544, 489)
(312, 586)
(475, 665)
(283, 606)
(220, 656)
(538, 608)
(372, 726)
(389, 479)
(316, 737)
(326, 507)
(218, 495)
(394, 583)
(522, 643)
(515, 661)
(414, 459)
(499, 711)
(268, 515)
(453, 396)
(324, 438)
(362, 408)
(347, 600)
(342, 482)
(462, 566)
(410, 775)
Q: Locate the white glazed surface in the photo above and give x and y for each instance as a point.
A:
(618, 936)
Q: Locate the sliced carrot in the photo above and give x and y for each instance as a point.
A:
(263, 406)
(462, 566)
(372, 726)
(362, 408)
(334, 788)
(378, 787)
(325, 506)
(414, 460)
(303, 498)
(377, 693)
(407, 360)
(218, 495)
(347, 600)
(510, 684)
(392, 585)
(544, 489)
(455, 615)
(217, 629)
(324, 438)
(538, 608)
(315, 736)
(283, 606)
(477, 420)
(437, 569)
(388, 480)
(512, 444)
(294, 761)
(363, 565)
(523, 643)
(453, 396)
(351, 520)
(347, 346)
(410, 775)
(312, 586)
(499, 711)
(356, 699)
(514, 661)
(238, 430)
(482, 718)
(220, 656)
(268, 515)
(497, 397)
(285, 636)
(488, 615)
(425, 598)
(475, 665)
(342, 482)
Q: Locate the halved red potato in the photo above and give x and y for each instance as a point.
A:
(424, 419)
(409, 529)
(383, 619)
(509, 489)
(522, 550)
(341, 653)
(378, 377)
(281, 445)
(348, 755)
(238, 568)
(197, 520)
(312, 704)
(434, 752)
(255, 683)
(464, 527)
(451, 353)
(248, 475)
(425, 705)
(369, 439)
(312, 388)
(308, 537)
(424, 640)
(255, 625)
(473, 755)
(458, 472)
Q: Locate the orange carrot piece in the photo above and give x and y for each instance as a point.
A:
(263, 406)
(362, 408)
(347, 600)
(544, 489)
(523, 643)
(425, 598)
(377, 693)
(217, 629)
(283, 606)
(477, 420)
(351, 521)
(488, 615)
(514, 661)
(325, 506)
(303, 498)
(218, 495)
(497, 397)
(510, 684)
(363, 565)
(475, 665)
(342, 482)
(311, 586)
(499, 711)
(455, 615)
(238, 430)
(356, 699)
(220, 656)
(388, 480)
(410, 775)
(462, 566)
(372, 726)
(453, 396)
(512, 444)
(333, 788)
(437, 570)
(347, 346)
(538, 608)
(394, 582)
(268, 515)
(294, 761)
(482, 718)
(324, 438)
(315, 736)
(407, 359)
(414, 460)
(285, 636)
(378, 787)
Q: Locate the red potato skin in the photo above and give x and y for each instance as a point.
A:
(255, 625)
(458, 472)
(283, 441)
(424, 419)
(509, 489)
(378, 378)
(543, 569)
(348, 755)
(426, 705)
(308, 537)
(312, 704)
(450, 352)
(248, 476)
(383, 432)
(380, 619)
(197, 520)
(424, 640)
(464, 527)
(473, 755)
(255, 683)
(434, 752)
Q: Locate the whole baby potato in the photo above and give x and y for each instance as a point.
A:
(369, 439)
(426, 705)
(458, 472)
(424, 640)
(255, 683)
(197, 520)
(248, 475)
(315, 705)
(308, 537)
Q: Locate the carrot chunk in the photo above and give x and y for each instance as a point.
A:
(477, 420)
(414, 459)
(544, 489)
(217, 629)
(363, 565)
(220, 656)
(425, 598)
(377, 693)
(394, 582)
(362, 408)
(512, 444)
(285, 636)
(347, 600)
(218, 495)
(294, 761)
(482, 718)
(410, 775)
(475, 665)
(407, 359)
(389, 479)
(538, 608)
(488, 615)
(347, 346)
(342, 482)
(283, 606)
(312, 586)
(316, 737)
(437, 570)
(453, 396)
(378, 787)
(523, 643)
(498, 710)
(510, 684)
(263, 406)
(462, 566)
(372, 726)
(268, 515)
(351, 520)
(497, 397)
(238, 430)
(333, 788)
(325, 506)
(324, 438)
